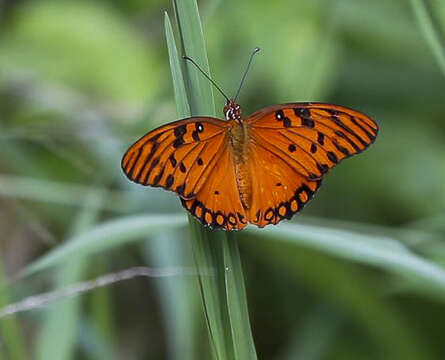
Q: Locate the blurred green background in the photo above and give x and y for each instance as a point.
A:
(81, 80)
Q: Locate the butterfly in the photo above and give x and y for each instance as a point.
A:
(255, 170)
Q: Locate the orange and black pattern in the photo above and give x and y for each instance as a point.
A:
(258, 170)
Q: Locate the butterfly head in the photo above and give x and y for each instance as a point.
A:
(232, 111)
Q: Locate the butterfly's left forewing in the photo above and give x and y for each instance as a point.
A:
(177, 156)
(293, 146)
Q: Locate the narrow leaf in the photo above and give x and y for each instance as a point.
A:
(107, 236)
(430, 31)
(383, 252)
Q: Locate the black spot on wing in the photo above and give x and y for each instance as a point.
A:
(302, 112)
(279, 115)
(180, 189)
(169, 182)
(178, 142)
(309, 123)
(195, 136)
(199, 127)
(180, 130)
(323, 168)
(320, 138)
(173, 160)
(331, 156)
(158, 177)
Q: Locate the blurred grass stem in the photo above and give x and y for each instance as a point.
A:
(430, 30)
(223, 295)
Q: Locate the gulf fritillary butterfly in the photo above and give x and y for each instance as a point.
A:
(256, 170)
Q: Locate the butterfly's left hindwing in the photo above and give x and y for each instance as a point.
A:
(293, 146)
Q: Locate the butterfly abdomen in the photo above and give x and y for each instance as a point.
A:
(240, 149)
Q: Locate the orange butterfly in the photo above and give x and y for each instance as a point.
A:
(258, 170)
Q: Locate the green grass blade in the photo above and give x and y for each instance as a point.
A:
(353, 290)
(12, 341)
(236, 300)
(107, 236)
(102, 311)
(49, 191)
(199, 89)
(208, 258)
(315, 336)
(58, 334)
(177, 295)
(101, 301)
(223, 295)
(382, 252)
(430, 31)
(182, 105)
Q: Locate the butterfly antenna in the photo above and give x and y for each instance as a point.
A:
(255, 50)
(205, 74)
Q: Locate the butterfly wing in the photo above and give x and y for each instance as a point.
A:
(292, 147)
(190, 157)
(218, 204)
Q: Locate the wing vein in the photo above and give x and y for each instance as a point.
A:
(286, 155)
(212, 163)
(310, 155)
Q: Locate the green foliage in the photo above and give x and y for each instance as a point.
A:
(50, 39)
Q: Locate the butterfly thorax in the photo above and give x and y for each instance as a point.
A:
(239, 141)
